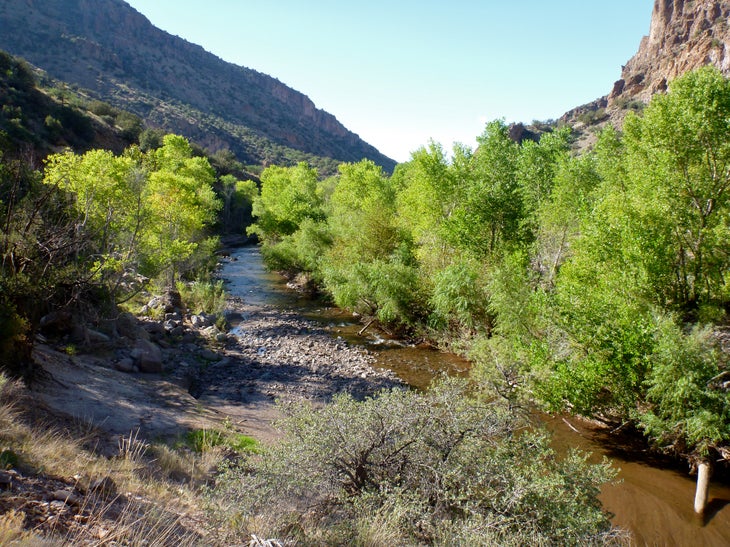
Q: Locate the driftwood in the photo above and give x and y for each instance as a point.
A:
(366, 327)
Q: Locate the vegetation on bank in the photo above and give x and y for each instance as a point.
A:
(85, 231)
(592, 283)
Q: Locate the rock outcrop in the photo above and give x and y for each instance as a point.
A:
(684, 35)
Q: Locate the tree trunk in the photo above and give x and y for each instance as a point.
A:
(704, 470)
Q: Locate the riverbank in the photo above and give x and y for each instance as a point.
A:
(207, 377)
(102, 414)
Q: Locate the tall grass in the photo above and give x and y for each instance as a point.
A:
(146, 505)
(203, 296)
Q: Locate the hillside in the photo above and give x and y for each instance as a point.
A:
(112, 50)
(42, 120)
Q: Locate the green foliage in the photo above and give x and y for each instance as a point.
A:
(181, 202)
(122, 216)
(205, 440)
(369, 266)
(288, 196)
(676, 161)
(203, 296)
(427, 468)
(491, 210)
(302, 251)
(14, 344)
(689, 409)
(237, 197)
(460, 299)
(8, 459)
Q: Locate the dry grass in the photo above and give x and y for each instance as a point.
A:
(153, 497)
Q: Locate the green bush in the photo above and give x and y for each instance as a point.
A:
(412, 468)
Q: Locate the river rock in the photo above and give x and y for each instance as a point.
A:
(96, 337)
(154, 328)
(147, 356)
(209, 355)
(127, 325)
(170, 325)
(66, 496)
(175, 316)
(125, 365)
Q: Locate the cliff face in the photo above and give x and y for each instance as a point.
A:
(109, 48)
(684, 35)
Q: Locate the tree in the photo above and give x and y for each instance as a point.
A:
(180, 202)
(678, 155)
(622, 336)
(237, 197)
(490, 212)
(688, 399)
(288, 196)
(369, 267)
(105, 193)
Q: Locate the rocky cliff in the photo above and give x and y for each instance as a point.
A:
(111, 49)
(684, 35)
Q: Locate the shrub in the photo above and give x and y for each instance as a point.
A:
(204, 440)
(413, 468)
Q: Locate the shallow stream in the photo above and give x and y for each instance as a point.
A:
(653, 498)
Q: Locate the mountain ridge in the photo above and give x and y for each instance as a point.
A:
(111, 49)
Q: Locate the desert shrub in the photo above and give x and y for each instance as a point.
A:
(412, 468)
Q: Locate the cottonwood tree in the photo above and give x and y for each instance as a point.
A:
(180, 202)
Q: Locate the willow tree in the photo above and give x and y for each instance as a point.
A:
(678, 162)
(370, 266)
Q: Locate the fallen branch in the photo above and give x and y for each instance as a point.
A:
(362, 330)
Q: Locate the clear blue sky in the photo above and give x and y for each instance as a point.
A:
(401, 72)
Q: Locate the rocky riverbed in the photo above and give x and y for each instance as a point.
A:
(163, 377)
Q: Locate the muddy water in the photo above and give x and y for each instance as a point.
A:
(653, 499)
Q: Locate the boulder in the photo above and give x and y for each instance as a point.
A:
(209, 355)
(96, 337)
(147, 356)
(154, 328)
(127, 325)
(125, 365)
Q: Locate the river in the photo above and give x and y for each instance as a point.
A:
(653, 499)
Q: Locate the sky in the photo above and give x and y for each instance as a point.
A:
(402, 72)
